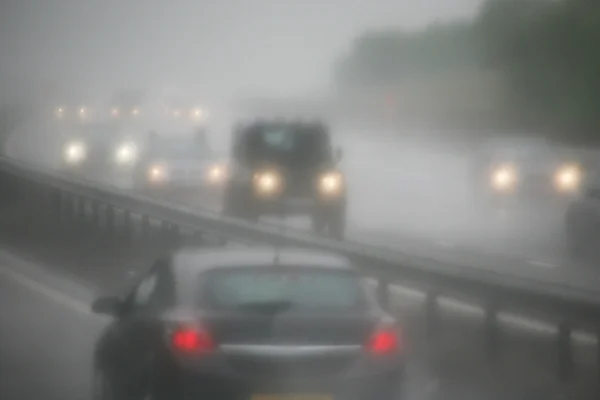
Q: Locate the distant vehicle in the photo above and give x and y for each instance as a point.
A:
(250, 323)
(75, 114)
(524, 170)
(582, 222)
(283, 168)
(180, 162)
(99, 148)
(126, 104)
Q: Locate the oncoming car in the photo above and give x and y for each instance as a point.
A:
(525, 170)
(100, 149)
(237, 324)
(180, 162)
(282, 168)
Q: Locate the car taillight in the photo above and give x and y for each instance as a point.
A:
(385, 341)
(192, 340)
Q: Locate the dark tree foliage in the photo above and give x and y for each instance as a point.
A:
(548, 49)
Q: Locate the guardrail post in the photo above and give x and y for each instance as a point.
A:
(174, 234)
(164, 229)
(57, 206)
(432, 314)
(127, 226)
(492, 331)
(565, 353)
(145, 227)
(110, 221)
(68, 209)
(47, 203)
(598, 354)
(383, 293)
(96, 218)
(81, 217)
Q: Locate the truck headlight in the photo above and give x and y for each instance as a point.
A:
(216, 174)
(504, 178)
(268, 183)
(75, 152)
(331, 183)
(126, 153)
(157, 173)
(567, 178)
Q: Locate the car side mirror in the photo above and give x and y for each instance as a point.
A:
(108, 305)
(338, 154)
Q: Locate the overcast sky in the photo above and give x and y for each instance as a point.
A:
(227, 46)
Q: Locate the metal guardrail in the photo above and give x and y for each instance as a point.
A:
(69, 198)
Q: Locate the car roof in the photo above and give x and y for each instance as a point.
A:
(194, 260)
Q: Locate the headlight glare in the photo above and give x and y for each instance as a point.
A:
(504, 178)
(567, 178)
(216, 173)
(268, 183)
(126, 153)
(331, 183)
(197, 114)
(75, 152)
(157, 173)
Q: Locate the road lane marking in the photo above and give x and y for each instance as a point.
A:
(542, 264)
(52, 294)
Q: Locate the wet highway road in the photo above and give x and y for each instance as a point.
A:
(45, 344)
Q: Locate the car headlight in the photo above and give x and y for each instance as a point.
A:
(157, 173)
(135, 112)
(59, 112)
(75, 152)
(504, 178)
(331, 183)
(216, 173)
(268, 183)
(567, 178)
(197, 114)
(127, 153)
(83, 112)
(115, 112)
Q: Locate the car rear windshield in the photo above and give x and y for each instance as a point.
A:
(304, 290)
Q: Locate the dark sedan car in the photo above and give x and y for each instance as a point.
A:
(249, 324)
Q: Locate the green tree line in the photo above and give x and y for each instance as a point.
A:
(548, 50)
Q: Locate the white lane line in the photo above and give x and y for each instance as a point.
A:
(542, 264)
(56, 296)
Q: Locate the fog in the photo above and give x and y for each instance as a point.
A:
(225, 48)
(401, 191)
